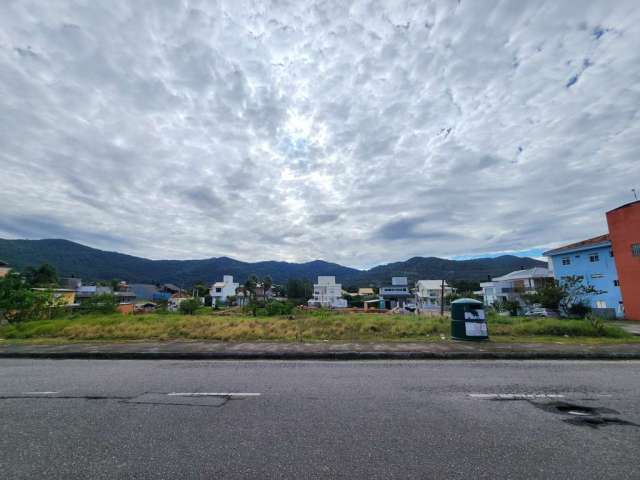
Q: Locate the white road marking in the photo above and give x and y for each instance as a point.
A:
(38, 393)
(212, 394)
(515, 395)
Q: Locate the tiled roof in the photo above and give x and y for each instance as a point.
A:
(579, 245)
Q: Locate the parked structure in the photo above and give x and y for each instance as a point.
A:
(624, 234)
(395, 295)
(4, 269)
(512, 286)
(327, 293)
(144, 291)
(220, 291)
(428, 293)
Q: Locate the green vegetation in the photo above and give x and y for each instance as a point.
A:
(312, 326)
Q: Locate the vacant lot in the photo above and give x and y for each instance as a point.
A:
(308, 327)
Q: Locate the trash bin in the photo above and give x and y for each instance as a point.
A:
(467, 320)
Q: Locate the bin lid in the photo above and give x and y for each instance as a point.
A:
(472, 301)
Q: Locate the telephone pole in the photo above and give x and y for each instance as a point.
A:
(442, 299)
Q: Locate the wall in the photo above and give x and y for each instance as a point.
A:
(624, 231)
(581, 265)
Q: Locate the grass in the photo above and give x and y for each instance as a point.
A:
(307, 327)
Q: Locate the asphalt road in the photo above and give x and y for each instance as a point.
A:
(423, 419)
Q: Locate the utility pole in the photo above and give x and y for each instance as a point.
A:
(442, 300)
(635, 194)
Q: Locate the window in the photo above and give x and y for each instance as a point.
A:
(218, 289)
(597, 275)
(611, 253)
(635, 249)
(594, 258)
(601, 304)
(566, 261)
(616, 283)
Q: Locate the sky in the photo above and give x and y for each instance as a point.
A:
(354, 132)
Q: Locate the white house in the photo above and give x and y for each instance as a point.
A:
(327, 293)
(429, 292)
(221, 290)
(513, 285)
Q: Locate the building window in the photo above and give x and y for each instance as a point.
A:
(597, 275)
(594, 258)
(611, 252)
(635, 249)
(601, 304)
(566, 261)
(616, 283)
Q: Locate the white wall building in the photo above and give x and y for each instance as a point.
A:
(429, 292)
(513, 285)
(221, 290)
(327, 293)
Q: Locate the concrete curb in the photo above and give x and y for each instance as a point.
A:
(328, 356)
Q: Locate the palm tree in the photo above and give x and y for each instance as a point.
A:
(250, 288)
(267, 283)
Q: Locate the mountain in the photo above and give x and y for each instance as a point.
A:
(90, 264)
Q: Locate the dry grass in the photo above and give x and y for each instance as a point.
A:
(309, 327)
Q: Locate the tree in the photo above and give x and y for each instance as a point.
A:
(201, 289)
(43, 276)
(18, 302)
(267, 283)
(250, 289)
(104, 303)
(189, 306)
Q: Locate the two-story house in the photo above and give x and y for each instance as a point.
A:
(512, 286)
(592, 260)
(395, 295)
(220, 291)
(428, 293)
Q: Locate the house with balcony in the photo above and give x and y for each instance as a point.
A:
(220, 291)
(593, 261)
(396, 295)
(4, 269)
(512, 286)
(428, 293)
(327, 294)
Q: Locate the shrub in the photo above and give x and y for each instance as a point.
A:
(102, 303)
(189, 306)
(579, 310)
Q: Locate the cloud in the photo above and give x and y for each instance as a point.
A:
(357, 132)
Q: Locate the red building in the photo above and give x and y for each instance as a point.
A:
(624, 232)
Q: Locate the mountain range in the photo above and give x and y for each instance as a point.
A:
(90, 264)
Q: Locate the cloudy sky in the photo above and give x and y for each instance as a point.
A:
(356, 132)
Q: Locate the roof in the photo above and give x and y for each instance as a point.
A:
(536, 272)
(219, 285)
(626, 205)
(584, 244)
(3, 264)
(431, 284)
(365, 291)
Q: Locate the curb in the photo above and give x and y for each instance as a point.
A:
(328, 356)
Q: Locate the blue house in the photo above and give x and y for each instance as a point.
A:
(592, 260)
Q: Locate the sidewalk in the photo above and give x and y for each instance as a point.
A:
(322, 351)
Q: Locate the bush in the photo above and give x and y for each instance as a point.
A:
(102, 303)
(189, 306)
(572, 328)
(579, 310)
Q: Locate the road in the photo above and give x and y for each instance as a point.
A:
(372, 420)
